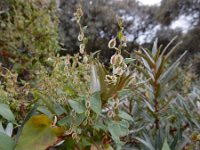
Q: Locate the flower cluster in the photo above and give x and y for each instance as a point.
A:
(117, 60)
(81, 36)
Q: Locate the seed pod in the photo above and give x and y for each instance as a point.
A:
(119, 59)
(124, 45)
(116, 104)
(80, 36)
(74, 135)
(55, 120)
(112, 43)
(114, 79)
(110, 113)
(78, 139)
(116, 60)
(82, 48)
(108, 78)
(123, 39)
(90, 121)
(85, 59)
(124, 65)
(118, 71)
(85, 122)
(111, 79)
(68, 132)
(113, 59)
(87, 113)
(79, 12)
(87, 104)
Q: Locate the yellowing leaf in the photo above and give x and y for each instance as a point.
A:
(38, 134)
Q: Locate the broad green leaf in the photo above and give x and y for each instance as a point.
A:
(44, 110)
(118, 129)
(99, 125)
(1, 128)
(6, 113)
(68, 119)
(6, 142)
(28, 116)
(78, 106)
(44, 99)
(96, 102)
(38, 134)
(59, 110)
(165, 146)
(125, 115)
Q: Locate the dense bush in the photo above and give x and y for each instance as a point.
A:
(75, 102)
(28, 35)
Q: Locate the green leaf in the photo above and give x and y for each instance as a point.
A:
(129, 60)
(118, 129)
(78, 106)
(6, 113)
(44, 110)
(9, 129)
(28, 116)
(59, 110)
(96, 102)
(125, 115)
(1, 128)
(120, 34)
(68, 119)
(94, 83)
(38, 134)
(45, 99)
(165, 145)
(155, 48)
(149, 145)
(100, 125)
(6, 142)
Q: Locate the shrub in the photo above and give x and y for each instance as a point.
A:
(28, 35)
(78, 103)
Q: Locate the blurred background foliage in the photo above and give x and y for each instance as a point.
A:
(28, 35)
(143, 23)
